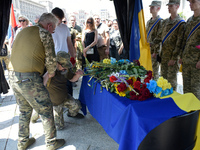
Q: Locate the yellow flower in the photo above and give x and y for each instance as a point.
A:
(165, 81)
(106, 61)
(157, 95)
(96, 65)
(115, 85)
(160, 82)
(132, 78)
(169, 86)
(164, 87)
(122, 94)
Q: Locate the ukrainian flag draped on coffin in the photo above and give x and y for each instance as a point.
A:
(139, 48)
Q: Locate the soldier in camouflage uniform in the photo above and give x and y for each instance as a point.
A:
(191, 54)
(152, 28)
(76, 39)
(172, 44)
(58, 90)
(33, 49)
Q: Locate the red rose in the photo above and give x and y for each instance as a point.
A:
(112, 79)
(137, 85)
(130, 82)
(72, 60)
(149, 74)
(121, 87)
(137, 62)
(141, 98)
(147, 79)
(145, 93)
(133, 95)
(144, 86)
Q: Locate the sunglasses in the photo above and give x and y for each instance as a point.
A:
(22, 20)
(64, 21)
(89, 22)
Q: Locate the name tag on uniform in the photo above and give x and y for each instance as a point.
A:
(90, 51)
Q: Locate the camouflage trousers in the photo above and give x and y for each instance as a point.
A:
(170, 73)
(101, 51)
(191, 79)
(73, 106)
(155, 67)
(31, 94)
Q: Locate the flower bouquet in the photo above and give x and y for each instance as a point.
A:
(127, 79)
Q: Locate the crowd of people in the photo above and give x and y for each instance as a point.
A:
(42, 77)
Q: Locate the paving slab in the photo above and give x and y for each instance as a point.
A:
(80, 134)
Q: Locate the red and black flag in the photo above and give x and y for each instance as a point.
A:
(13, 23)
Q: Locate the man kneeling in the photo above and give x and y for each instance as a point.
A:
(58, 90)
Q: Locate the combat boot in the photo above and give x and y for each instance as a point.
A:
(35, 117)
(58, 143)
(29, 143)
(78, 116)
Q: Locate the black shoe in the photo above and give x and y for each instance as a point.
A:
(78, 116)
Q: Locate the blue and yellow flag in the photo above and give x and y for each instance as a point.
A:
(139, 48)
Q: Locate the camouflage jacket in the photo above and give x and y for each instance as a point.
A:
(47, 40)
(171, 48)
(191, 54)
(76, 33)
(153, 33)
(73, 33)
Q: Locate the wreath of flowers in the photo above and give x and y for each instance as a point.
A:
(127, 79)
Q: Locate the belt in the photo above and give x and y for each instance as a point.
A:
(24, 80)
(25, 73)
(28, 76)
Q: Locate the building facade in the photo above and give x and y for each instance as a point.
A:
(28, 8)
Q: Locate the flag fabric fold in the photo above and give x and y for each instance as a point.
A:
(13, 24)
(139, 48)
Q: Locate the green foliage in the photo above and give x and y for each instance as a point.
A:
(182, 15)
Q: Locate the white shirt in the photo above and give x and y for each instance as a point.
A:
(60, 38)
(102, 35)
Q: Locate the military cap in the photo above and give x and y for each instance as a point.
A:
(171, 2)
(63, 58)
(155, 3)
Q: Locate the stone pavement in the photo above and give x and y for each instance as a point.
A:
(80, 134)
